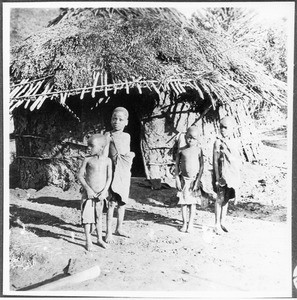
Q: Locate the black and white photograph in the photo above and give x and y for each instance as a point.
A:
(148, 149)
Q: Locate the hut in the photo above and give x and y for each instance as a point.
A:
(166, 70)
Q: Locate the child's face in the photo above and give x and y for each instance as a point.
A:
(96, 147)
(119, 121)
(226, 129)
(192, 138)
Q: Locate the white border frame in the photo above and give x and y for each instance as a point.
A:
(184, 6)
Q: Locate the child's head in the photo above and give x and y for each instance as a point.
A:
(192, 136)
(96, 144)
(119, 118)
(227, 125)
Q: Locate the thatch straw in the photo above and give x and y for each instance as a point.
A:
(156, 44)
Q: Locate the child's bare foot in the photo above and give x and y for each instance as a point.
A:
(224, 228)
(218, 229)
(183, 228)
(89, 247)
(190, 228)
(109, 239)
(102, 244)
(122, 233)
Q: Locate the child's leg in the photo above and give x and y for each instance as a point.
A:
(120, 219)
(218, 210)
(184, 216)
(110, 211)
(224, 213)
(191, 217)
(230, 193)
(87, 228)
(99, 211)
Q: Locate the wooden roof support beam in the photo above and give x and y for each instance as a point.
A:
(139, 88)
(95, 84)
(31, 81)
(127, 86)
(105, 84)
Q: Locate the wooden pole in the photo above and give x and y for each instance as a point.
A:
(202, 115)
(88, 274)
(146, 170)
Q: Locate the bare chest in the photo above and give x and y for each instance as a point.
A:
(189, 162)
(190, 156)
(96, 164)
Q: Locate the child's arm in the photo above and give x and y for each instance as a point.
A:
(106, 149)
(129, 140)
(81, 178)
(197, 184)
(215, 161)
(104, 192)
(177, 171)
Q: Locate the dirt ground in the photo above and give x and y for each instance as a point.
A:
(253, 258)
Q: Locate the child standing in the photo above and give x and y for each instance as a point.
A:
(118, 149)
(189, 166)
(95, 175)
(227, 163)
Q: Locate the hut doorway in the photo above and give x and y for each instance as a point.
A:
(134, 129)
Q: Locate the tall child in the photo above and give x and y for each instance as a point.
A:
(227, 165)
(118, 149)
(95, 176)
(188, 171)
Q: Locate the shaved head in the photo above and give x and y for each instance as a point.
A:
(227, 125)
(228, 122)
(193, 129)
(97, 138)
(121, 109)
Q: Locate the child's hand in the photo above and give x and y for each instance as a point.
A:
(103, 195)
(192, 186)
(178, 184)
(91, 194)
(221, 181)
(196, 185)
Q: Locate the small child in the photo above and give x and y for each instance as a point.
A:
(189, 167)
(118, 149)
(227, 162)
(95, 175)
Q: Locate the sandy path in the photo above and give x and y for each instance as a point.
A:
(252, 258)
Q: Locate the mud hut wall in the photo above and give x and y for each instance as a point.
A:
(160, 133)
(50, 141)
(245, 128)
(50, 144)
(39, 153)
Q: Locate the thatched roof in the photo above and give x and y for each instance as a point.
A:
(101, 51)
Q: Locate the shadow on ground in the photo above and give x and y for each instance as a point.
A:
(23, 215)
(56, 201)
(135, 215)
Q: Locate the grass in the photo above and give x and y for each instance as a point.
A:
(22, 252)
